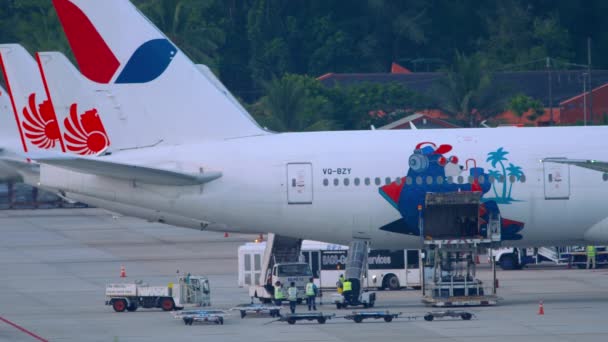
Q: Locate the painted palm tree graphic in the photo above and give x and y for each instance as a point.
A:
(500, 174)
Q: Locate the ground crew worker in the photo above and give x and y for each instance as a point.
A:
(347, 289)
(278, 293)
(340, 283)
(591, 256)
(311, 293)
(292, 296)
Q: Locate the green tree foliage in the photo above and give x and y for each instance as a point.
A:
(189, 24)
(522, 104)
(466, 90)
(301, 103)
(254, 43)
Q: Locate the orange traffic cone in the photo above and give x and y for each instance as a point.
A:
(541, 309)
(123, 271)
(226, 234)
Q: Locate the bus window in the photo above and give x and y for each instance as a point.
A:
(412, 259)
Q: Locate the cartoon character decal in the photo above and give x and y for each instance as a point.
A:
(429, 170)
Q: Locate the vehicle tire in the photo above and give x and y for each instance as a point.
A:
(392, 282)
(338, 306)
(388, 319)
(466, 316)
(167, 304)
(119, 305)
(291, 321)
(243, 314)
(428, 317)
(321, 320)
(358, 319)
(508, 262)
(132, 307)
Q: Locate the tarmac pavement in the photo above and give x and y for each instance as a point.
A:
(54, 265)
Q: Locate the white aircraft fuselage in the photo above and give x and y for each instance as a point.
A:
(286, 183)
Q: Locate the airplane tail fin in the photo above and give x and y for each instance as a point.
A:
(116, 44)
(32, 111)
(84, 110)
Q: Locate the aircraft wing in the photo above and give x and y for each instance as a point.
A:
(591, 164)
(138, 173)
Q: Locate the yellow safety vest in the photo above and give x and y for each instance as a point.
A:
(310, 289)
(278, 293)
(348, 286)
(591, 251)
(292, 294)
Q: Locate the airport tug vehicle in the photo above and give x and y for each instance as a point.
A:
(190, 291)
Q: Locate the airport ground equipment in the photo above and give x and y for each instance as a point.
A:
(359, 316)
(189, 291)
(356, 266)
(320, 317)
(448, 313)
(578, 256)
(281, 262)
(200, 316)
(244, 309)
(366, 299)
(510, 258)
(452, 237)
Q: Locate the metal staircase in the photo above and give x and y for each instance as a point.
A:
(280, 249)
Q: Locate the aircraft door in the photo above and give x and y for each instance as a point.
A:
(299, 183)
(557, 180)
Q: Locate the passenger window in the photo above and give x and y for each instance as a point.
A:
(293, 182)
(439, 180)
(501, 178)
(357, 181)
(523, 178)
(336, 181)
(550, 178)
(346, 181)
(512, 179)
(481, 179)
(491, 179)
(398, 181)
(450, 179)
(377, 180)
(367, 182)
(460, 179)
(471, 179)
(419, 180)
(408, 180)
(429, 180)
(387, 180)
(326, 182)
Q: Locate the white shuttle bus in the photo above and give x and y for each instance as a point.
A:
(386, 269)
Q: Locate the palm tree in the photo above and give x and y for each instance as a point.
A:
(516, 172)
(493, 174)
(465, 90)
(497, 157)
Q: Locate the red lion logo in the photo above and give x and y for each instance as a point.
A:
(85, 134)
(40, 123)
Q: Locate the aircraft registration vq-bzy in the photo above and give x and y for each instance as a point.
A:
(174, 141)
